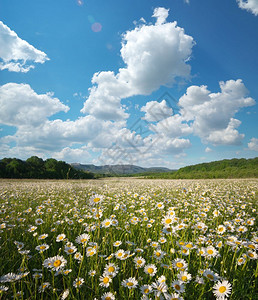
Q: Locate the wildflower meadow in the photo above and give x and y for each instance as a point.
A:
(128, 239)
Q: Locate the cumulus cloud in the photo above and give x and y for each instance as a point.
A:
(156, 111)
(249, 5)
(21, 105)
(212, 113)
(16, 54)
(253, 144)
(154, 55)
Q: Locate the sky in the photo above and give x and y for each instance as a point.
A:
(152, 83)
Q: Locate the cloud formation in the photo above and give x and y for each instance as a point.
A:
(17, 55)
(21, 105)
(154, 55)
(212, 113)
(253, 144)
(249, 5)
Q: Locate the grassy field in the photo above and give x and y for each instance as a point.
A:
(128, 239)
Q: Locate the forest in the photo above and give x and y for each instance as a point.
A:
(36, 168)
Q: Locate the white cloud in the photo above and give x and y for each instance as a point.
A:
(154, 55)
(253, 144)
(156, 111)
(71, 155)
(227, 136)
(173, 127)
(15, 53)
(208, 149)
(212, 113)
(249, 5)
(161, 14)
(21, 105)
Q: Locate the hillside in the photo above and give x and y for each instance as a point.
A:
(114, 170)
(227, 168)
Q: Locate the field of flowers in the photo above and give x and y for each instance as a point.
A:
(128, 239)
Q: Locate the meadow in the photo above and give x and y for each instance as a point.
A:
(128, 238)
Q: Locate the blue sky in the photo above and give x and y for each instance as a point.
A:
(153, 83)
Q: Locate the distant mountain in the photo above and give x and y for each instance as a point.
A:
(119, 169)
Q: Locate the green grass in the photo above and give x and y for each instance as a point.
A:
(137, 208)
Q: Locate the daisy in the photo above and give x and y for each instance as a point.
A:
(179, 264)
(108, 296)
(55, 263)
(120, 253)
(78, 256)
(139, 262)
(70, 249)
(60, 237)
(39, 221)
(82, 239)
(211, 251)
(130, 283)
(184, 276)
(159, 254)
(178, 286)
(78, 282)
(252, 254)
(111, 270)
(43, 236)
(90, 251)
(44, 286)
(117, 243)
(104, 280)
(222, 289)
(96, 199)
(168, 220)
(210, 275)
(42, 248)
(150, 269)
(159, 288)
(221, 229)
(106, 223)
(92, 273)
(146, 289)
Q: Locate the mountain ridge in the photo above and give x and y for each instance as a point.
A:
(118, 169)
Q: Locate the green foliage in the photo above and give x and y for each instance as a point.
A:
(35, 167)
(227, 168)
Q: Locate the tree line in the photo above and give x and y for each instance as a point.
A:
(227, 168)
(35, 167)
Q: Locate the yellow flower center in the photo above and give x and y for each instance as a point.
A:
(179, 265)
(108, 298)
(177, 287)
(57, 263)
(139, 261)
(168, 221)
(210, 276)
(210, 251)
(146, 291)
(184, 278)
(96, 200)
(129, 283)
(222, 289)
(111, 269)
(158, 254)
(150, 270)
(105, 279)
